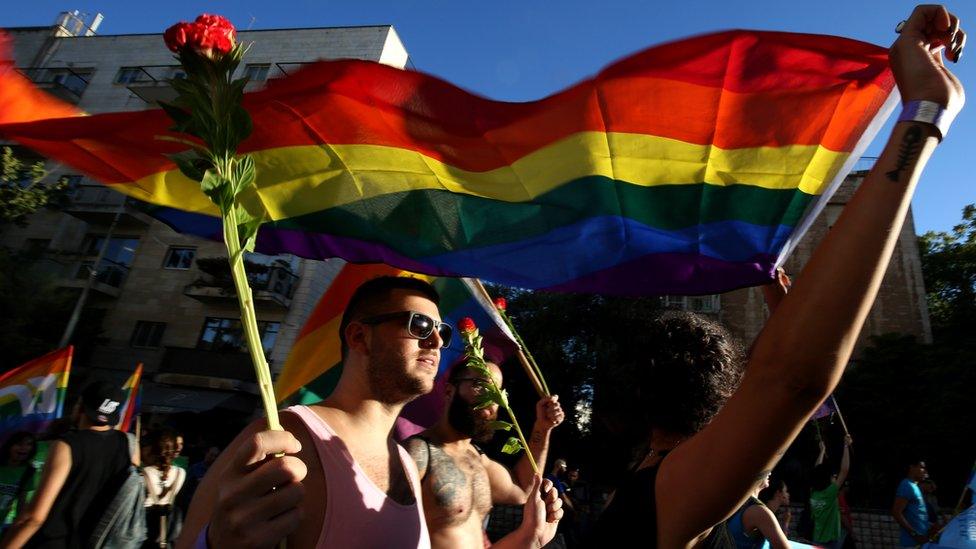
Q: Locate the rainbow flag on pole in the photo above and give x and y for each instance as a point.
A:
(691, 167)
(314, 364)
(32, 395)
(133, 394)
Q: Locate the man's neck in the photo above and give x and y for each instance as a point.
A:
(365, 414)
(445, 434)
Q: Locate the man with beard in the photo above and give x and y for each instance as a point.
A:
(459, 482)
(346, 483)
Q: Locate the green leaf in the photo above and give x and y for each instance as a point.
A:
(247, 227)
(512, 446)
(484, 401)
(190, 164)
(240, 125)
(499, 426)
(181, 117)
(504, 397)
(217, 189)
(243, 174)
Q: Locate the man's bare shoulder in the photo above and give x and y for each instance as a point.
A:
(419, 449)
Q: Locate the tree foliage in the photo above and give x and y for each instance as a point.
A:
(949, 269)
(23, 190)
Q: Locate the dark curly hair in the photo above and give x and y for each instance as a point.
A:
(371, 295)
(679, 374)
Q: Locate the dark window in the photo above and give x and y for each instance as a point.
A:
(226, 334)
(179, 258)
(148, 334)
(37, 245)
(75, 81)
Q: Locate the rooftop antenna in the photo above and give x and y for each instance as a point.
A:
(251, 24)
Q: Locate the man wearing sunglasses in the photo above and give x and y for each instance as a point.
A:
(459, 482)
(344, 481)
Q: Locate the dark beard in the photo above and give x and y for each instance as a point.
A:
(390, 385)
(461, 416)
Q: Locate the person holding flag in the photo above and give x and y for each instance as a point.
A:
(459, 482)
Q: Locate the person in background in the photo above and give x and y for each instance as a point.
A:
(754, 525)
(928, 487)
(776, 497)
(846, 519)
(909, 507)
(18, 476)
(163, 482)
(83, 472)
(824, 505)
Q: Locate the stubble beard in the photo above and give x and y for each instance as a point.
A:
(462, 417)
(392, 383)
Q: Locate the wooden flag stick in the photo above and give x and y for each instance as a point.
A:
(531, 368)
(840, 416)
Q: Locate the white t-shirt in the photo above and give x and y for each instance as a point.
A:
(155, 485)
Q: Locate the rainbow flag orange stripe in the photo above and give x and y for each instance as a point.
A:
(32, 395)
(691, 167)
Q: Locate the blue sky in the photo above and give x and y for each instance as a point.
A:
(525, 50)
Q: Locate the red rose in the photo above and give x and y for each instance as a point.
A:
(207, 35)
(500, 303)
(467, 325)
(175, 36)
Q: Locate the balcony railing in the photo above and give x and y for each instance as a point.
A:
(62, 82)
(272, 285)
(210, 369)
(151, 82)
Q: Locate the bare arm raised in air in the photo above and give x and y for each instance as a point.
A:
(799, 357)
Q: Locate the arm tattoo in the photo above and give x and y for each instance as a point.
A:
(907, 151)
(536, 437)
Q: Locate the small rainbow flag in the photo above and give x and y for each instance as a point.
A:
(692, 167)
(32, 395)
(133, 394)
(315, 362)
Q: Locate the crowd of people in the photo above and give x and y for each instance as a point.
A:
(712, 418)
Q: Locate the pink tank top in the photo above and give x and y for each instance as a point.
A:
(358, 514)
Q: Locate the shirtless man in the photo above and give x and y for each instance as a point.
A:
(345, 482)
(459, 482)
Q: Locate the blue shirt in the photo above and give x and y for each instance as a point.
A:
(914, 513)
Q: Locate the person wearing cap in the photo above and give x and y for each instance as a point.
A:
(80, 477)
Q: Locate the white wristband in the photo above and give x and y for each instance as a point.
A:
(928, 112)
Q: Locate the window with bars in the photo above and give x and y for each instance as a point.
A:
(693, 303)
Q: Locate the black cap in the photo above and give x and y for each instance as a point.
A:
(101, 401)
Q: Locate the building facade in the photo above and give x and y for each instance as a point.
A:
(166, 299)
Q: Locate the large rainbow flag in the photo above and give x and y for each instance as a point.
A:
(314, 364)
(32, 395)
(133, 393)
(691, 167)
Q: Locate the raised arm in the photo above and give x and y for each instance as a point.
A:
(800, 355)
(512, 487)
(845, 461)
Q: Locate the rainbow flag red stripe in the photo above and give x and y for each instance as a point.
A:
(691, 167)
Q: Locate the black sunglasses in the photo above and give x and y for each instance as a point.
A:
(419, 325)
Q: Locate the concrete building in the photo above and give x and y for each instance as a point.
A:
(901, 305)
(165, 298)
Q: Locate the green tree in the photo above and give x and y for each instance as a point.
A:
(23, 190)
(949, 270)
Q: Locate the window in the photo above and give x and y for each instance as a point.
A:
(693, 303)
(147, 334)
(226, 334)
(114, 267)
(256, 73)
(75, 81)
(179, 258)
(128, 75)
